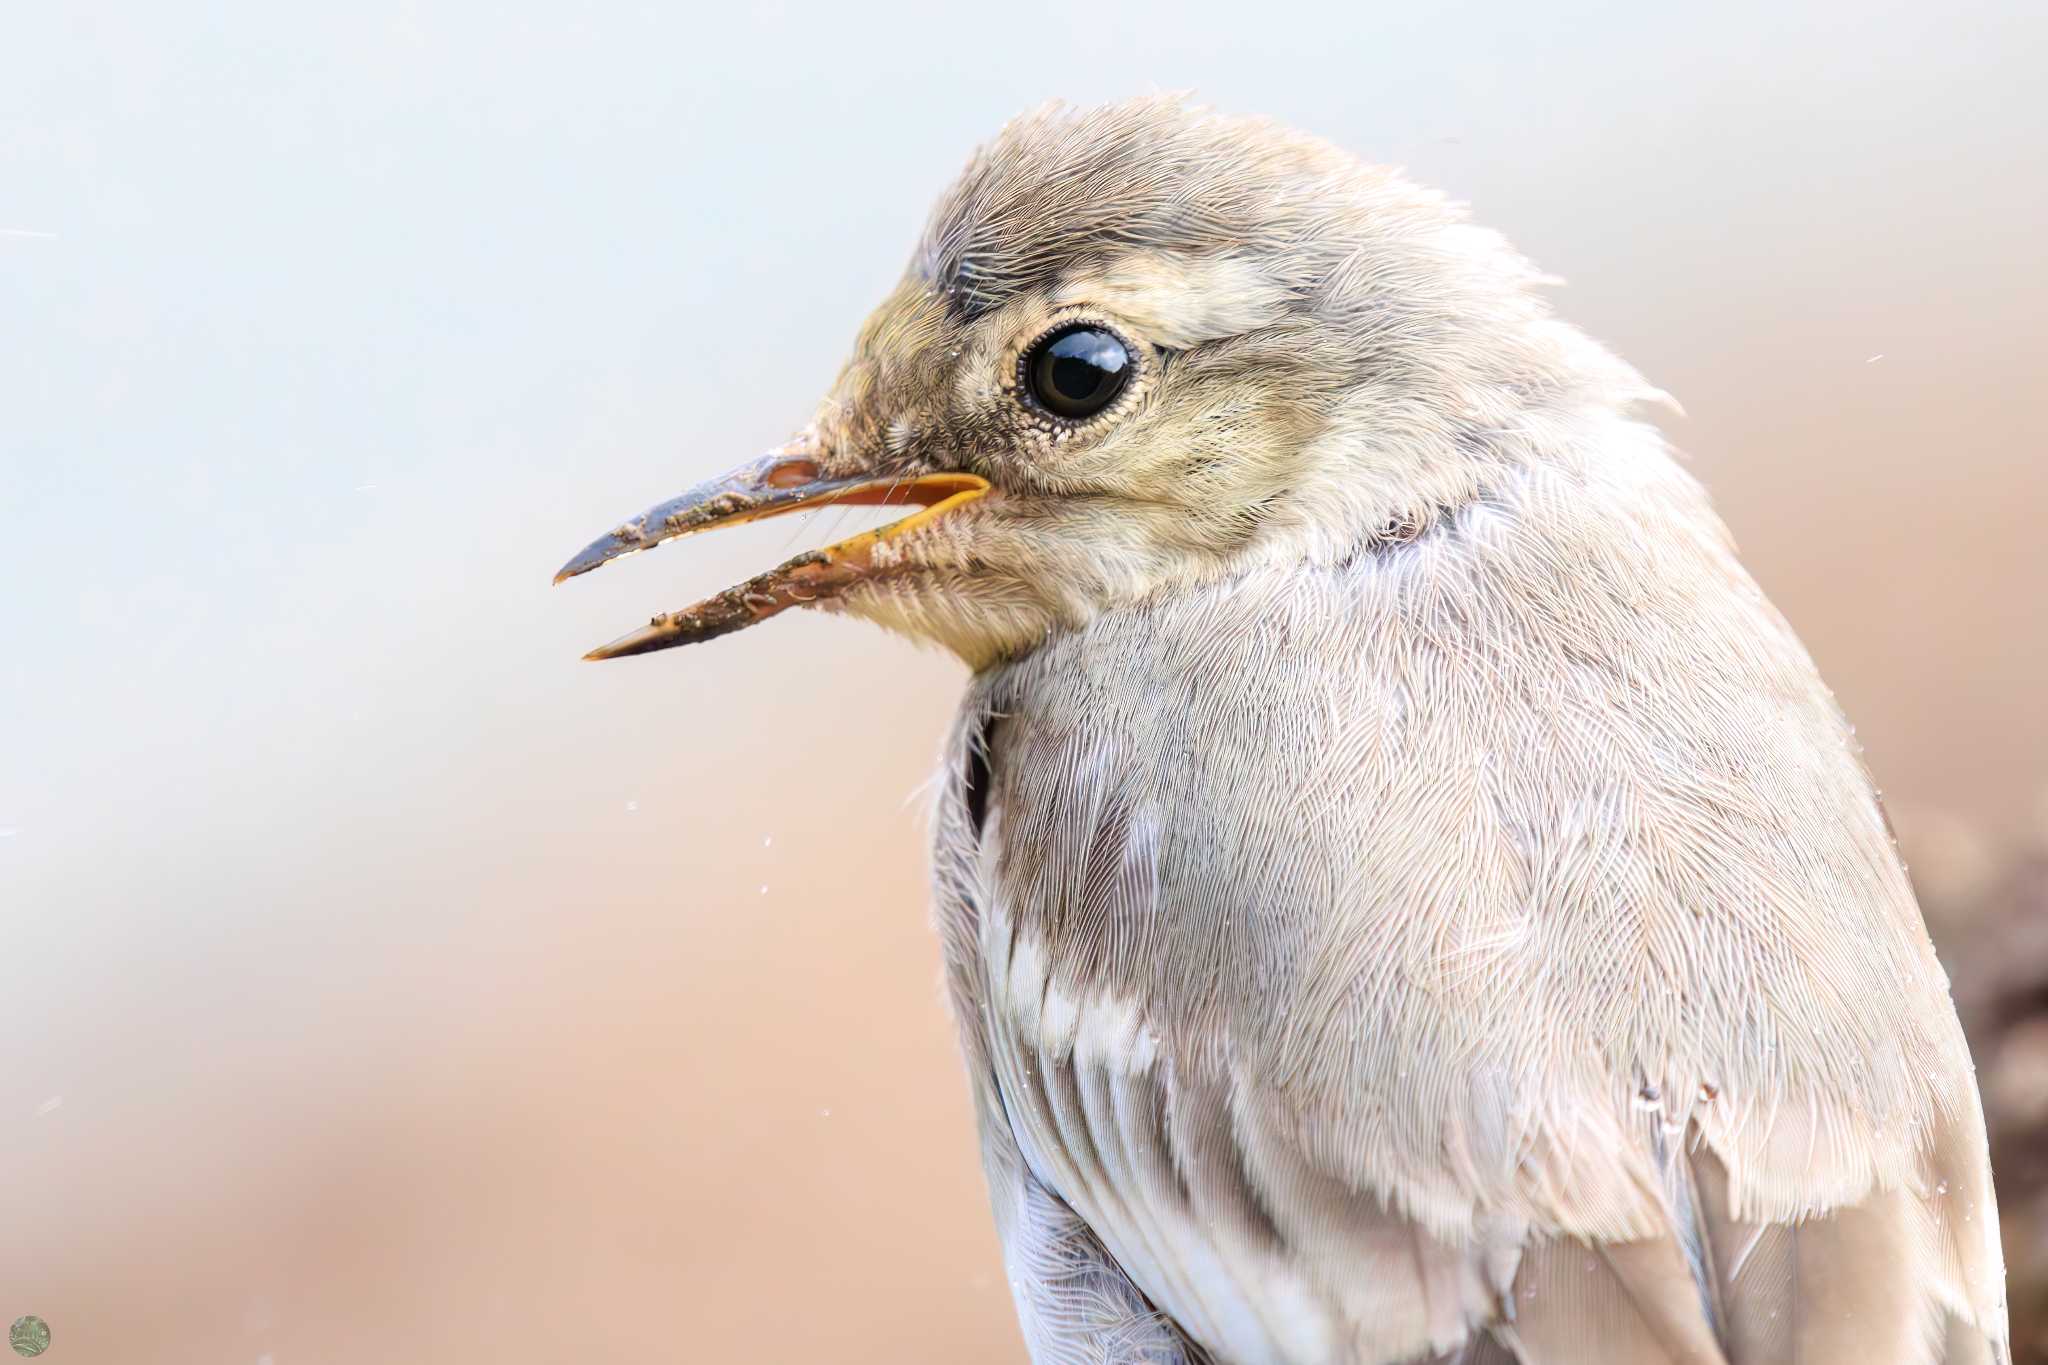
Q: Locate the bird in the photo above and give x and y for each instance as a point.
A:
(1405, 894)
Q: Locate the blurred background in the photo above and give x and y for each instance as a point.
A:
(380, 979)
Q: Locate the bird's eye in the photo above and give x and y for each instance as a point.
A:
(1077, 371)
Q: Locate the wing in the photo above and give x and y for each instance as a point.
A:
(1075, 1304)
(1172, 1177)
(1363, 1016)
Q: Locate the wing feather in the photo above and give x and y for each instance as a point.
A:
(1628, 1303)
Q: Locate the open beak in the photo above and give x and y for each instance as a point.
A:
(784, 481)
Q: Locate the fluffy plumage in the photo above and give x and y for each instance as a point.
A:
(1406, 894)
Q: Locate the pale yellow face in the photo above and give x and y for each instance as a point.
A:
(994, 392)
(1131, 420)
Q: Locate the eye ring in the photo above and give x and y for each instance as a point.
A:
(1076, 370)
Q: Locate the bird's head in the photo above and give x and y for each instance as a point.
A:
(1142, 347)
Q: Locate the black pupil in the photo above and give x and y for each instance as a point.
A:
(1078, 372)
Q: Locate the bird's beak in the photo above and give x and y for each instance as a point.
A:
(786, 480)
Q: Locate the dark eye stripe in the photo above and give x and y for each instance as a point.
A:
(1078, 371)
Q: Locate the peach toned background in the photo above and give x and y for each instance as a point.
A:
(382, 982)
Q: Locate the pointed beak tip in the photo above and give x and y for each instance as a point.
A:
(767, 488)
(595, 556)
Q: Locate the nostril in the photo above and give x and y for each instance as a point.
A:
(792, 474)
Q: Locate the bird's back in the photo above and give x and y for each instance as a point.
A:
(1489, 944)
